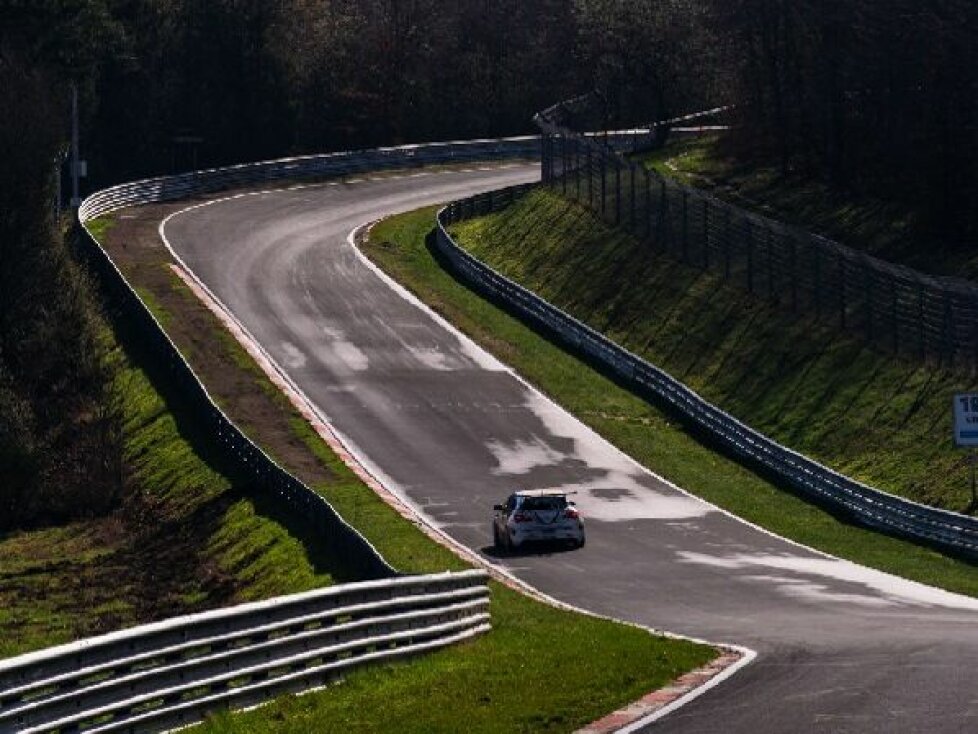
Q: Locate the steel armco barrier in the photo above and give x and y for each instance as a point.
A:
(948, 531)
(169, 674)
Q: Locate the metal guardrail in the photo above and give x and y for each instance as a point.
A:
(172, 673)
(949, 531)
(170, 188)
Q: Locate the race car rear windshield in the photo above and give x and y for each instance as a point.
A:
(544, 503)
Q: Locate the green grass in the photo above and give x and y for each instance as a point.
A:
(568, 257)
(188, 537)
(540, 670)
(100, 227)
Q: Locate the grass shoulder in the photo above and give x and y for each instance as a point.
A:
(579, 266)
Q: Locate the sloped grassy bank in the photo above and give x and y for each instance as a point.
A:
(700, 332)
(886, 229)
(870, 415)
(188, 536)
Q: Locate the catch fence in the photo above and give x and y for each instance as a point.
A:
(893, 307)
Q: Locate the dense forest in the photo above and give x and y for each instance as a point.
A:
(877, 95)
(848, 90)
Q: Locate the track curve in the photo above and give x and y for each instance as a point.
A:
(841, 647)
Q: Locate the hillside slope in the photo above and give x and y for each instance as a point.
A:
(867, 414)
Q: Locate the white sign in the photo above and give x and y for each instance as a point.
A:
(966, 419)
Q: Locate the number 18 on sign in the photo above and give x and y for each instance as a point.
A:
(966, 431)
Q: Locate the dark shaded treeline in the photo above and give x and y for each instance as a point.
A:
(259, 78)
(60, 448)
(867, 95)
(877, 95)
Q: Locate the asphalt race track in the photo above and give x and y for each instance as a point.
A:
(840, 648)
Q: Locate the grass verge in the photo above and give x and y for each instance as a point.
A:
(554, 251)
(480, 685)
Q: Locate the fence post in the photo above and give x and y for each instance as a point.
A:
(726, 243)
(648, 205)
(563, 164)
(685, 225)
(770, 262)
(842, 289)
(750, 255)
(920, 320)
(894, 300)
(868, 289)
(577, 166)
(794, 270)
(604, 175)
(948, 328)
(817, 256)
(590, 178)
(545, 158)
(631, 173)
(974, 333)
(706, 234)
(617, 193)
